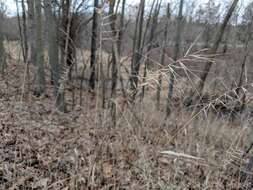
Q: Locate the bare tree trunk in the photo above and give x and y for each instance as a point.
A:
(2, 54)
(153, 28)
(24, 31)
(226, 40)
(40, 73)
(32, 32)
(115, 50)
(135, 64)
(215, 46)
(246, 53)
(53, 53)
(65, 54)
(243, 66)
(206, 35)
(121, 32)
(94, 46)
(117, 38)
(176, 54)
(148, 25)
(67, 29)
(163, 56)
(24, 40)
(3, 63)
(21, 32)
(150, 41)
(115, 60)
(207, 30)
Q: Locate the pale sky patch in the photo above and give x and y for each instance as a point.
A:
(11, 7)
(11, 4)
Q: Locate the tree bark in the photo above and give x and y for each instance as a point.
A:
(94, 46)
(165, 36)
(150, 40)
(65, 54)
(40, 73)
(21, 31)
(3, 62)
(32, 32)
(53, 53)
(25, 38)
(117, 37)
(215, 47)
(135, 64)
(245, 56)
(115, 60)
(176, 54)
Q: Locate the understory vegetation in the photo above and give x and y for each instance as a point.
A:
(109, 95)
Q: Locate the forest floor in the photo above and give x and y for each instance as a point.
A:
(41, 148)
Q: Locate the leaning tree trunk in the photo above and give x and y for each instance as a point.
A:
(215, 47)
(176, 54)
(135, 64)
(153, 28)
(53, 53)
(40, 73)
(94, 46)
(150, 40)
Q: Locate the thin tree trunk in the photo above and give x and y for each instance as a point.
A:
(25, 38)
(246, 53)
(226, 41)
(115, 60)
(53, 53)
(3, 62)
(176, 54)
(117, 38)
(215, 47)
(94, 46)
(135, 64)
(66, 26)
(40, 73)
(148, 25)
(121, 32)
(240, 105)
(206, 35)
(32, 32)
(243, 66)
(158, 95)
(21, 32)
(207, 31)
(24, 45)
(150, 41)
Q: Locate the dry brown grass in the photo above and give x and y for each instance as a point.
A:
(41, 148)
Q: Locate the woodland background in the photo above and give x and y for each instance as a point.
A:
(112, 95)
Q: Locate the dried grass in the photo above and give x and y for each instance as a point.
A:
(41, 148)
